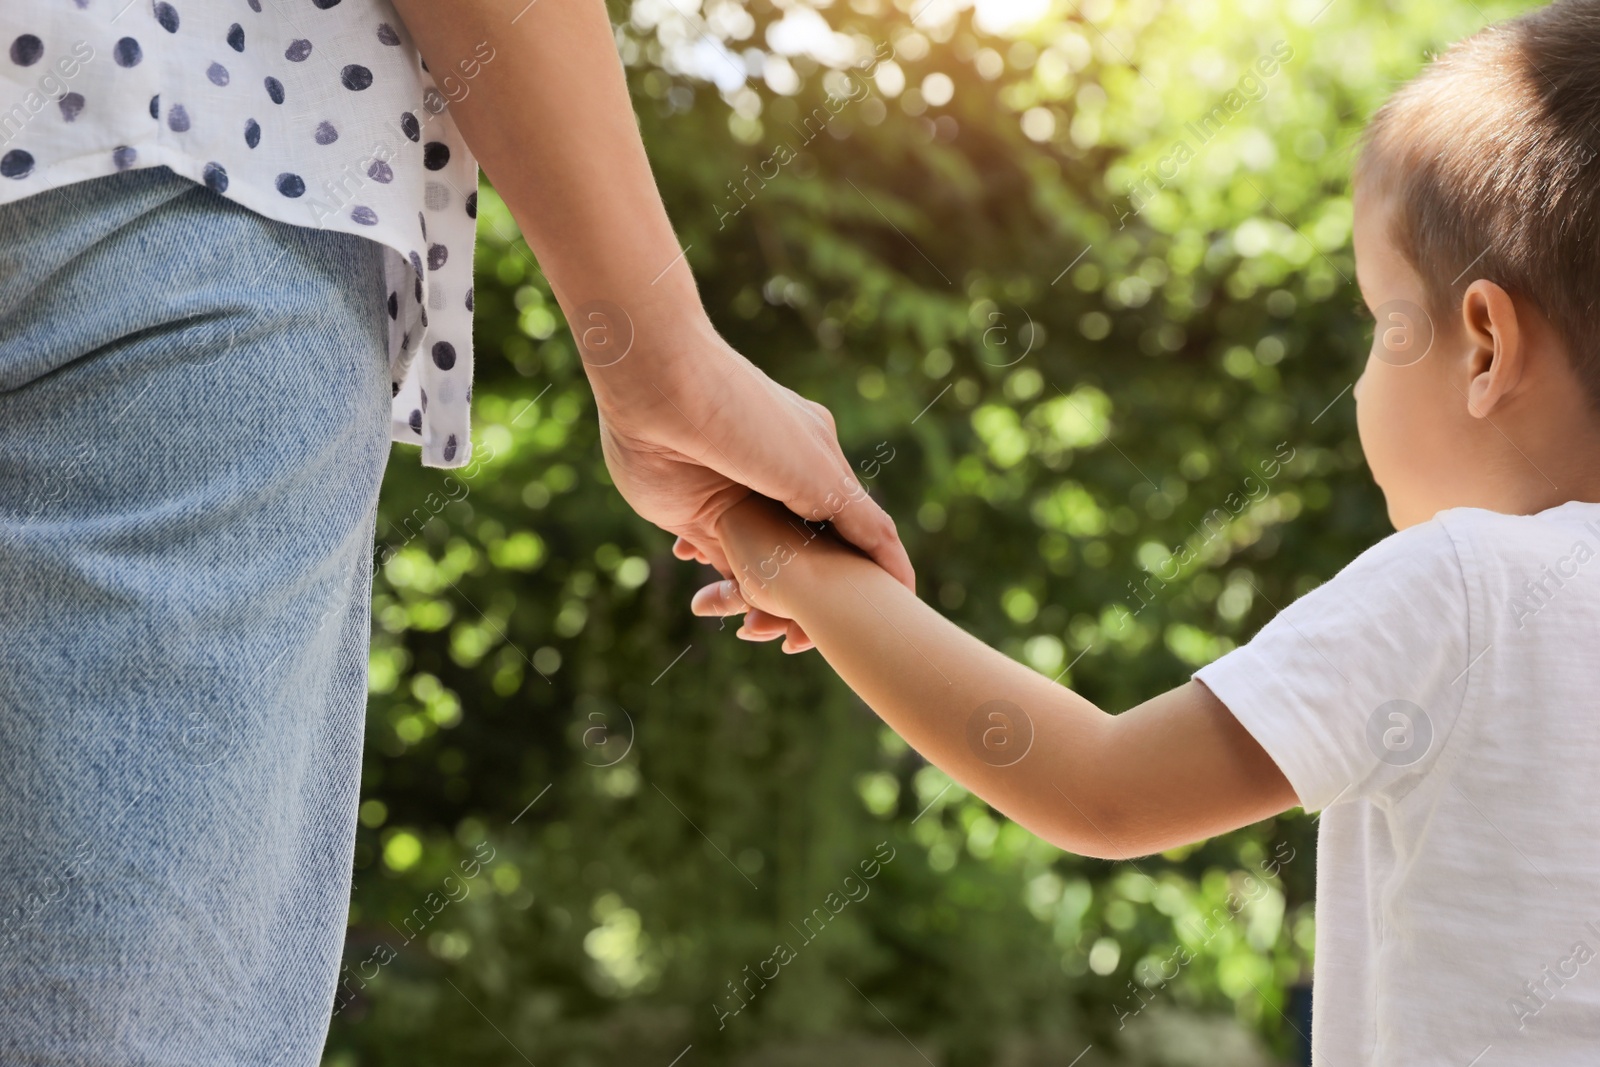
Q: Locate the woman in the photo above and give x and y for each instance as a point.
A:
(238, 251)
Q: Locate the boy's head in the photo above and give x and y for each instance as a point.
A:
(1477, 237)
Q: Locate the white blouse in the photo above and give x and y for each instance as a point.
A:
(313, 112)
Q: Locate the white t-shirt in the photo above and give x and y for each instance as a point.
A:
(313, 113)
(1439, 701)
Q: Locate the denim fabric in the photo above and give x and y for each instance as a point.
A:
(194, 420)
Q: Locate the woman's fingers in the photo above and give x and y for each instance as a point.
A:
(865, 524)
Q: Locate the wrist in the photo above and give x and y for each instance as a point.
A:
(630, 349)
(777, 560)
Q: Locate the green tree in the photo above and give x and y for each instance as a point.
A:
(1078, 287)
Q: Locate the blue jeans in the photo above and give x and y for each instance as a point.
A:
(194, 419)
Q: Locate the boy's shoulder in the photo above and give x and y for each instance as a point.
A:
(1491, 542)
(1476, 540)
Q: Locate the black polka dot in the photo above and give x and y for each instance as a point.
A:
(255, 5)
(394, 305)
(127, 52)
(274, 90)
(416, 265)
(16, 164)
(291, 185)
(415, 421)
(394, 388)
(297, 51)
(444, 355)
(405, 340)
(323, 5)
(26, 50)
(326, 134)
(236, 37)
(424, 393)
(216, 177)
(408, 124)
(435, 154)
(472, 205)
(364, 215)
(469, 298)
(387, 35)
(123, 157)
(71, 106)
(355, 77)
(380, 172)
(422, 223)
(418, 294)
(252, 132)
(450, 448)
(423, 312)
(217, 73)
(177, 118)
(155, 106)
(167, 15)
(437, 254)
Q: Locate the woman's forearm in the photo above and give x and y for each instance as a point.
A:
(551, 123)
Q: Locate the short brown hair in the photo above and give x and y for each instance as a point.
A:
(1486, 155)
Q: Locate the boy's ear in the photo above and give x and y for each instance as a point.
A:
(1496, 346)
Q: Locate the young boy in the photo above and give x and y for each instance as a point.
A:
(1436, 699)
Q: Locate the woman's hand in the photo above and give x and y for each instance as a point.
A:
(685, 447)
(689, 426)
(771, 554)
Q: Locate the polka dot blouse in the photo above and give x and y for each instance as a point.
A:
(313, 112)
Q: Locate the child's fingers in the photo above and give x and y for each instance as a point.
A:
(722, 599)
(797, 641)
(719, 599)
(683, 548)
(763, 626)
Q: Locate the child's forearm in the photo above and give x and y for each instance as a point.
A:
(1031, 748)
(1175, 769)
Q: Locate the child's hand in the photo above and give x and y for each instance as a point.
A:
(768, 550)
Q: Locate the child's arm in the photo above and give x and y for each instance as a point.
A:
(1173, 770)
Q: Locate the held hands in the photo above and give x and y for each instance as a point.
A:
(687, 436)
(770, 554)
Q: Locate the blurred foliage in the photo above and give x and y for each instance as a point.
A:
(1112, 377)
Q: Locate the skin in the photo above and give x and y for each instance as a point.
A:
(1481, 420)
(688, 425)
(1492, 416)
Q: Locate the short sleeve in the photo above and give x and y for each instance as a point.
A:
(1356, 686)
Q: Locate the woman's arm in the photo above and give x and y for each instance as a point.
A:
(1173, 770)
(550, 122)
(687, 423)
